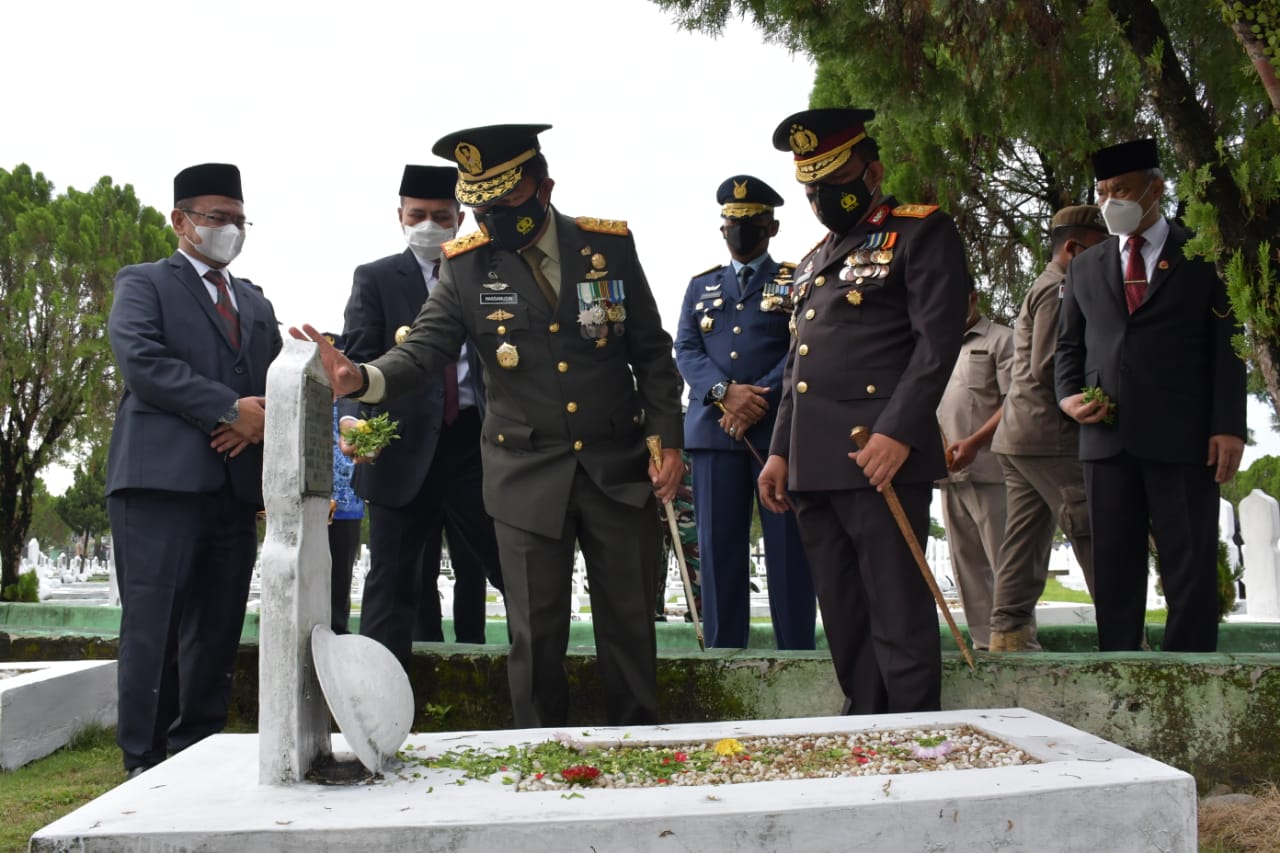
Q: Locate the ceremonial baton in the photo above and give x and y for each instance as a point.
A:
(860, 435)
(759, 461)
(654, 443)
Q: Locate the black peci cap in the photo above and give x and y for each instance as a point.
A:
(207, 179)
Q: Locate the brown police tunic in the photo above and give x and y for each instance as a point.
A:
(879, 317)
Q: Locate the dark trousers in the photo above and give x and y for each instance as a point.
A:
(724, 486)
(1179, 505)
(617, 542)
(451, 497)
(183, 562)
(878, 613)
(344, 544)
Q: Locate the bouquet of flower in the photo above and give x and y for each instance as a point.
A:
(1094, 394)
(369, 437)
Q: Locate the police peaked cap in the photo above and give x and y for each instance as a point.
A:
(821, 140)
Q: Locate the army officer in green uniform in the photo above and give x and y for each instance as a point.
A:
(578, 371)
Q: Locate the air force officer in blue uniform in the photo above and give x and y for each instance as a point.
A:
(731, 349)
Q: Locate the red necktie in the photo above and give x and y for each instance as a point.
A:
(1135, 275)
(226, 311)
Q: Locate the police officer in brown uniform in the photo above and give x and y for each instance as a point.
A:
(880, 310)
(578, 370)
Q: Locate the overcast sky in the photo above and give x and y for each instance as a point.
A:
(322, 105)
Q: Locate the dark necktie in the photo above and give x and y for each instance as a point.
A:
(226, 311)
(450, 374)
(744, 275)
(450, 393)
(1135, 275)
(533, 257)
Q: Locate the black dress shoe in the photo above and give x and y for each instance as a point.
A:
(136, 772)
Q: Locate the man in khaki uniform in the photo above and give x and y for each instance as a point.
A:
(578, 371)
(973, 506)
(1037, 446)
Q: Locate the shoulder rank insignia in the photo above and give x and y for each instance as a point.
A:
(465, 244)
(603, 226)
(915, 211)
(709, 270)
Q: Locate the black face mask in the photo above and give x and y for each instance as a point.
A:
(513, 228)
(744, 237)
(841, 206)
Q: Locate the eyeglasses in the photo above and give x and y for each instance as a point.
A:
(220, 219)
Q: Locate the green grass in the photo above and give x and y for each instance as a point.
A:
(1055, 591)
(45, 790)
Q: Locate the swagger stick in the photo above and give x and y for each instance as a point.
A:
(860, 435)
(654, 443)
(759, 461)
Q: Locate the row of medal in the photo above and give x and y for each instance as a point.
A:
(601, 311)
(871, 259)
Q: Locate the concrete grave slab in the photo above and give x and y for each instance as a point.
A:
(1086, 795)
(44, 705)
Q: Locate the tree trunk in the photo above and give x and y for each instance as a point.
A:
(1268, 360)
(1266, 72)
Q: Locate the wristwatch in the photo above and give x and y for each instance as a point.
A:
(364, 384)
(718, 391)
(232, 415)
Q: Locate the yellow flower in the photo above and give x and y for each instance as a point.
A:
(729, 746)
(363, 426)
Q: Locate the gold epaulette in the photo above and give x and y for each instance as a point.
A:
(465, 243)
(603, 226)
(915, 211)
(710, 270)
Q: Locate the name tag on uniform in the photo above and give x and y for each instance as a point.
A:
(499, 298)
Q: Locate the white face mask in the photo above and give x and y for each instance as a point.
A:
(1123, 217)
(427, 238)
(220, 245)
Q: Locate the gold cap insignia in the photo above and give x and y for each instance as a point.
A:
(468, 158)
(803, 140)
(739, 190)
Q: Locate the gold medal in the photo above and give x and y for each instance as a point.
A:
(616, 313)
(597, 261)
(401, 334)
(882, 256)
(718, 302)
(707, 323)
(508, 356)
(854, 297)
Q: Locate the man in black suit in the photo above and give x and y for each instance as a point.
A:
(1152, 329)
(578, 373)
(184, 472)
(880, 307)
(429, 480)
